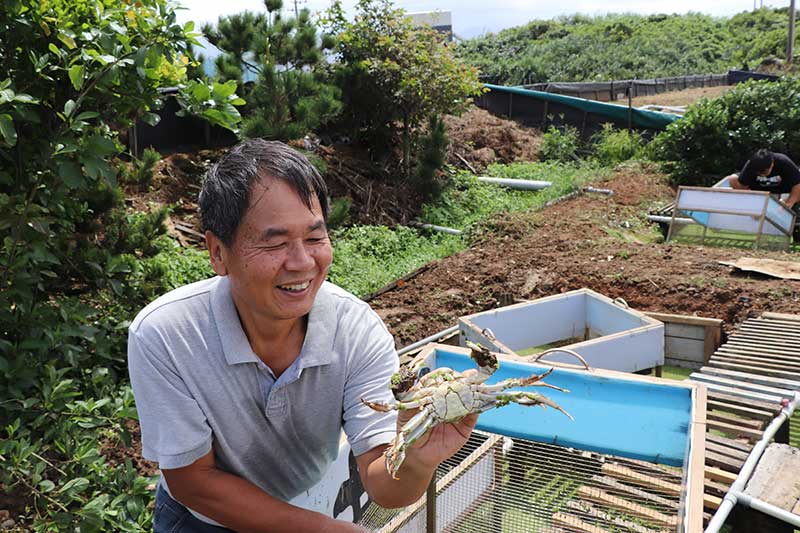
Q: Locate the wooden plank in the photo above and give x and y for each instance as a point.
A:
(741, 385)
(640, 511)
(574, 524)
(716, 489)
(764, 416)
(686, 349)
(589, 510)
(768, 350)
(785, 317)
(621, 489)
(685, 319)
(711, 502)
(723, 461)
(735, 420)
(753, 378)
(650, 469)
(775, 330)
(769, 407)
(759, 361)
(685, 331)
(722, 476)
(776, 479)
(758, 338)
(749, 433)
(728, 452)
(631, 476)
(757, 348)
(712, 341)
(745, 447)
(771, 399)
(752, 369)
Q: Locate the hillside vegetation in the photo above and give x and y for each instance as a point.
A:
(624, 46)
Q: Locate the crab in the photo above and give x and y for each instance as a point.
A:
(446, 396)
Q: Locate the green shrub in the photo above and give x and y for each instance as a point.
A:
(339, 212)
(613, 146)
(716, 137)
(140, 171)
(368, 257)
(428, 178)
(560, 144)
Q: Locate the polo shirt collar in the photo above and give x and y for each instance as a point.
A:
(317, 346)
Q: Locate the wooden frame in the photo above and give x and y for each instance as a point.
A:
(689, 341)
(762, 217)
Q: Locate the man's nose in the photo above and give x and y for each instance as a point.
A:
(299, 257)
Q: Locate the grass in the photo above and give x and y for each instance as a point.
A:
(368, 257)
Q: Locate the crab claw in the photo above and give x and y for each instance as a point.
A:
(383, 407)
(483, 357)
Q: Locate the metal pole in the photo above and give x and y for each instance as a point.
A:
(790, 44)
(430, 506)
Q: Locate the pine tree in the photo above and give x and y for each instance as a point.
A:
(427, 177)
(291, 95)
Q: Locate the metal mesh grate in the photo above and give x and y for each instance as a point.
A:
(498, 484)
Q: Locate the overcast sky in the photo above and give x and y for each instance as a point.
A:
(476, 17)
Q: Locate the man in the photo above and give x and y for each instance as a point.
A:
(243, 382)
(772, 172)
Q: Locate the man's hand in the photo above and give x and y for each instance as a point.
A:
(440, 442)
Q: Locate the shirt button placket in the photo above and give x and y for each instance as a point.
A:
(276, 407)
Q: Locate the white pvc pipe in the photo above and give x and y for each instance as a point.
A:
(526, 185)
(730, 499)
(426, 340)
(608, 192)
(667, 220)
(767, 508)
(442, 229)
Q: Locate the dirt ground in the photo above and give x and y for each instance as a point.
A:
(590, 241)
(681, 98)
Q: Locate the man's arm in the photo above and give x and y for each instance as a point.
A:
(240, 505)
(733, 179)
(422, 458)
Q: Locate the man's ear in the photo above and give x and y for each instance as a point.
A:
(217, 252)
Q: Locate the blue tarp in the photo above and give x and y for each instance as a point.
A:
(625, 418)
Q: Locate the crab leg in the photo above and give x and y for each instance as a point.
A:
(532, 381)
(520, 397)
(408, 435)
(399, 406)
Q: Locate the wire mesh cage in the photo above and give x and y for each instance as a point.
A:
(499, 484)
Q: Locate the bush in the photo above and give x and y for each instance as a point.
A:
(560, 145)
(613, 146)
(716, 137)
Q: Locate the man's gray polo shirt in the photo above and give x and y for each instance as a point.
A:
(198, 384)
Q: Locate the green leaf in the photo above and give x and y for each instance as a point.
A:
(86, 115)
(67, 40)
(53, 48)
(46, 485)
(70, 173)
(69, 107)
(76, 76)
(151, 119)
(225, 89)
(7, 129)
(74, 486)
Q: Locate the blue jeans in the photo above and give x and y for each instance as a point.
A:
(172, 517)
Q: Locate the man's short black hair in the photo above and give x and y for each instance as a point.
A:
(761, 160)
(228, 184)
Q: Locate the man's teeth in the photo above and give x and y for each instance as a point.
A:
(297, 288)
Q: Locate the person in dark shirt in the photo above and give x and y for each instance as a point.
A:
(772, 172)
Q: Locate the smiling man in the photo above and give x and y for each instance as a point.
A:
(243, 382)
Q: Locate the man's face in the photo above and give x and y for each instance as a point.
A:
(280, 255)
